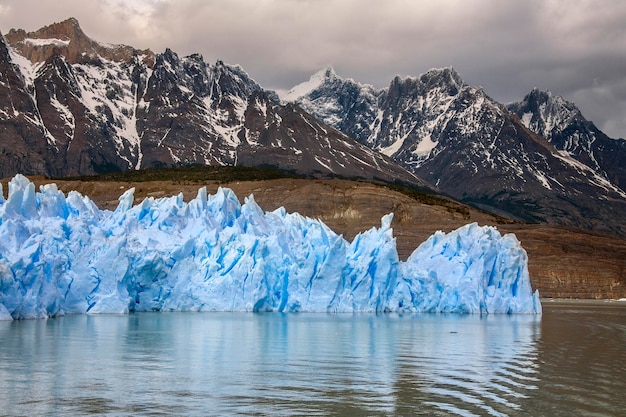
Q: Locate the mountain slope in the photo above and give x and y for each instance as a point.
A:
(469, 146)
(94, 108)
(562, 123)
(21, 147)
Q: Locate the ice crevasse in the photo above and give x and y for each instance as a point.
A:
(60, 254)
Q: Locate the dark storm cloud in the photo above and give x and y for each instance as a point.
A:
(576, 49)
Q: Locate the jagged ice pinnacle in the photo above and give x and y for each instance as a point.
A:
(62, 255)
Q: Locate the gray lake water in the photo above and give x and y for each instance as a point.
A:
(569, 361)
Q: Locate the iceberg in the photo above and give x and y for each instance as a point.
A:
(60, 254)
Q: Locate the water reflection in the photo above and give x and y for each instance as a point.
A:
(583, 359)
(259, 364)
(469, 366)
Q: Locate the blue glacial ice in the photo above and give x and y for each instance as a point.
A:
(60, 254)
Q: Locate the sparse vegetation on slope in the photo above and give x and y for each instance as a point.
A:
(192, 174)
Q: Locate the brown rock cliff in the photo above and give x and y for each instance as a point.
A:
(68, 39)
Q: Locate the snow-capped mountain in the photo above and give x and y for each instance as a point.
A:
(70, 105)
(73, 106)
(562, 123)
(471, 147)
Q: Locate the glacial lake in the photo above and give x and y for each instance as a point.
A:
(569, 361)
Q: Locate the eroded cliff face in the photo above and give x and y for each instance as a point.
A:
(570, 263)
(563, 262)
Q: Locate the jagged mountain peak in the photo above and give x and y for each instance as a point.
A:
(68, 29)
(546, 113)
(444, 78)
(468, 145)
(233, 81)
(447, 76)
(67, 38)
(232, 72)
(64, 31)
(563, 125)
(169, 55)
(327, 73)
(319, 79)
(326, 95)
(539, 97)
(446, 81)
(221, 67)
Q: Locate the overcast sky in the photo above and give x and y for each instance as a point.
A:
(574, 48)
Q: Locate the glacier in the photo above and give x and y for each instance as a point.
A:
(60, 254)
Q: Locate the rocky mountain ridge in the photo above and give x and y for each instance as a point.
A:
(563, 124)
(91, 108)
(467, 145)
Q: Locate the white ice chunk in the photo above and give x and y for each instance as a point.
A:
(61, 255)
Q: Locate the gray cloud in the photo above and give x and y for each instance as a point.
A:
(576, 49)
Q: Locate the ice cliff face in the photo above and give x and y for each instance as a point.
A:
(61, 255)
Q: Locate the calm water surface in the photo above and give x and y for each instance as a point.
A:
(570, 361)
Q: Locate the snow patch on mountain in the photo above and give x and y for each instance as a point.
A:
(109, 94)
(27, 69)
(47, 41)
(591, 174)
(303, 89)
(425, 146)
